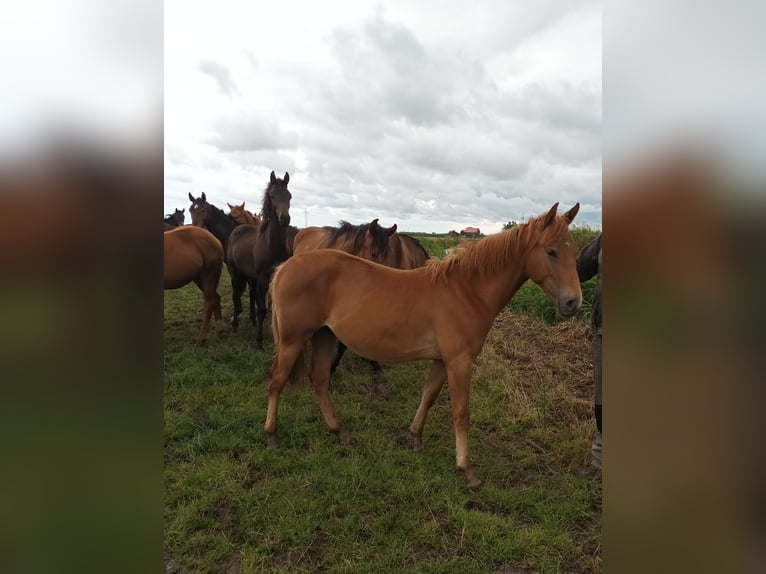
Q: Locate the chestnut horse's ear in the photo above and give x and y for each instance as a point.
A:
(287, 178)
(374, 223)
(203, 197)
(273, 177)
(570, 215)
(243, 205)
(550, 216)
(230, 205)
(391, 230)
(191, 197)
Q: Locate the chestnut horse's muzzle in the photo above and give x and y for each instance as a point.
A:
(568, 305)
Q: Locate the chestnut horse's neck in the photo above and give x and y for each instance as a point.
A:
(493, 269)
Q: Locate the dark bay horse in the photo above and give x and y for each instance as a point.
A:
(255, 250)
(193, 254)
(369, 241)
(221, 225)
(442, 312)
(213, 219)
(174, 220)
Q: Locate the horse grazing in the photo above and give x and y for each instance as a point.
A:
(255, 250)
(193, 254)
(441, 312)
(369, 241)
(175, 219)
(241, 215)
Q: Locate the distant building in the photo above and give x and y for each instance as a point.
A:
(471, 231)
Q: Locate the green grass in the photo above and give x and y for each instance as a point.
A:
(313, 505)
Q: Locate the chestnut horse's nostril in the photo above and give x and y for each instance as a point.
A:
(570, 307)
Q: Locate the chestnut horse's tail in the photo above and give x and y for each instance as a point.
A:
(299, 371)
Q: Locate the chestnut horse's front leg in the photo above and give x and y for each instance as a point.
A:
(459, 382)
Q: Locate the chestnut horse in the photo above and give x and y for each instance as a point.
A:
(241, 215)
(441, 312)
(175, 219)
(370, 241)
(193, 254)
(255, 250)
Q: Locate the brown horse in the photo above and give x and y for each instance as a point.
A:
(175, 219)
(255, 250)
(241, 215)
(441, 312)
(193, 254)
(369, 241)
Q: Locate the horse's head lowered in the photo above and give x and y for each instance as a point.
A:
(277, 199)
(551, 260)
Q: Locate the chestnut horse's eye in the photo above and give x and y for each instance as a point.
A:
(552, 253)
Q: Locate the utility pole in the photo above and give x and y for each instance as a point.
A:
(305, 217)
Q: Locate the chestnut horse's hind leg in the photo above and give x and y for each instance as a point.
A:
(458, 382)
(434, 383)
(281, 368)
(209, 296)
(323, 346)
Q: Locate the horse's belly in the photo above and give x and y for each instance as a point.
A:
(387, 345)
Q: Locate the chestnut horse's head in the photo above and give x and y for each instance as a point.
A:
(551, 259)
(241, 215)
(277, 198)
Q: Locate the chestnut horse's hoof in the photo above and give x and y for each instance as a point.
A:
(472, 481)
(344, 437)
(417, 443)
(271, 439)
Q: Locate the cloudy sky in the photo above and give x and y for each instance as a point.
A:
(432, 115)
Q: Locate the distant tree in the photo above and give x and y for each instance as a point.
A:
(509, 225)
(453, 232)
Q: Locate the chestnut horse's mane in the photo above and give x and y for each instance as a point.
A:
(492, 253)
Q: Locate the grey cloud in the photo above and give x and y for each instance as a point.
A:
(387, 72)
(221, 74)
(560, 106)
(248, 133)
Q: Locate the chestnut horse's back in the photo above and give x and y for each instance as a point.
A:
(188, 250)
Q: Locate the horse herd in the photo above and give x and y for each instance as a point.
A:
(370, 289)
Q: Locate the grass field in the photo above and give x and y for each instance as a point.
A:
(313, 505)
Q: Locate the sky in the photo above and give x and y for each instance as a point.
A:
(431, 115)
